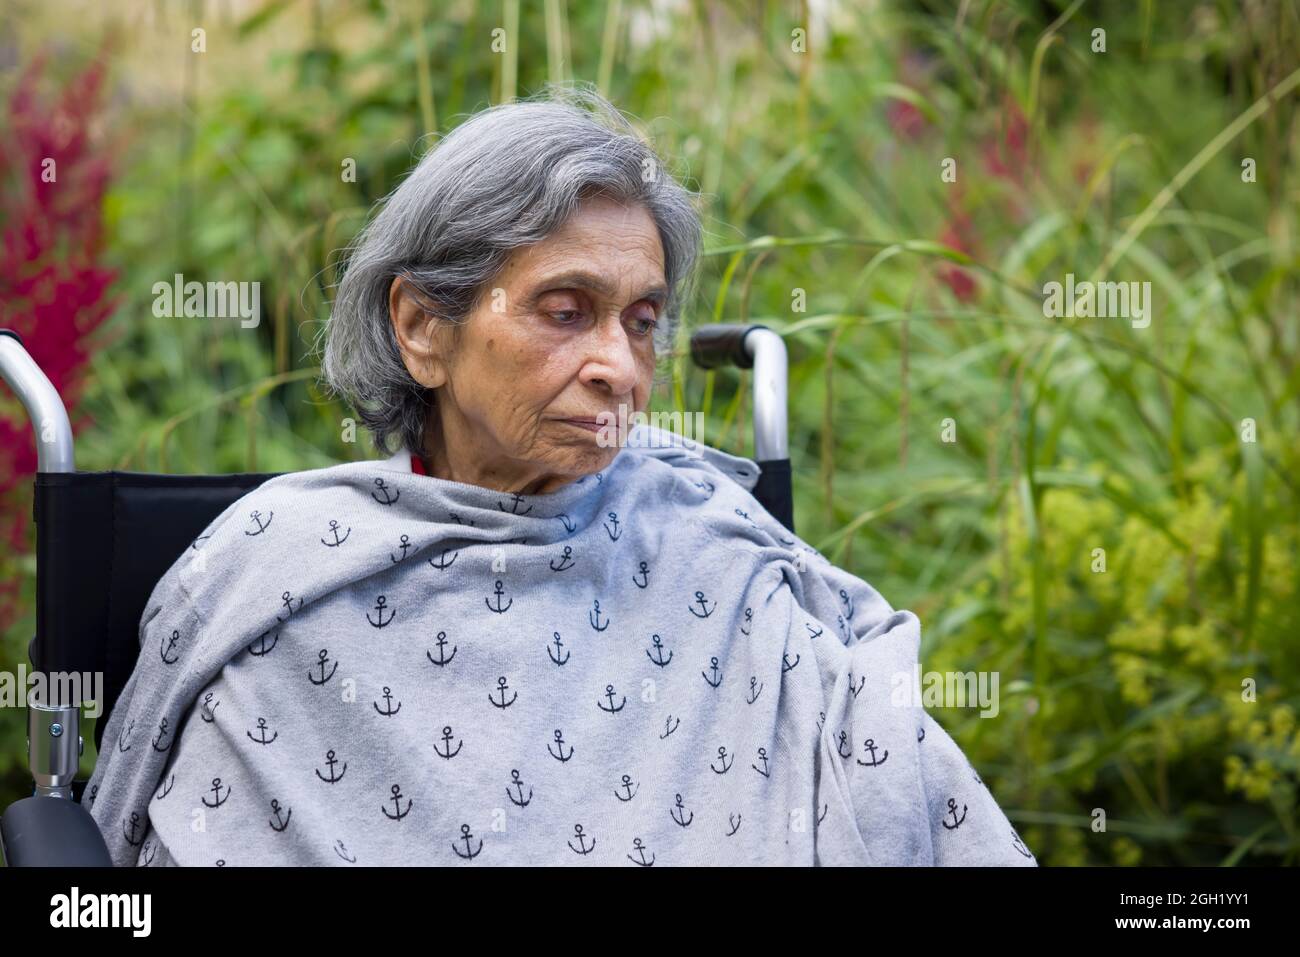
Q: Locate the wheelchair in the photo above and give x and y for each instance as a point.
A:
(104, 539)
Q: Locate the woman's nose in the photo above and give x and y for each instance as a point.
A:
(612, 361)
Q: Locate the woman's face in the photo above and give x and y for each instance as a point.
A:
(563, 334)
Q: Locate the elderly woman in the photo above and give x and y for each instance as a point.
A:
(525, 638)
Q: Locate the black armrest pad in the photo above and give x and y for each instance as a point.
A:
(51, 832)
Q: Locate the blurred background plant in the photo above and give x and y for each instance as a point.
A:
(1102, 532)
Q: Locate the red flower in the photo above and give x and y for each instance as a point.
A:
(53, 284)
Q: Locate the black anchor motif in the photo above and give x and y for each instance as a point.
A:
(628, 788)
(843, 744)
(566, 560)
(257, 520)
(167, 789)
(725, 759)
(457, 519)
(147, 854)
(171, 642)
(261, 730)
(334, 530)
(855, 688)
(705, 610)
(443, 562)
(734, 820)
(259, 648)
(388, 710)
(707, 486)
(397, 805)
(848, 602)
(755, 689)
(670, 725)
(643, 569)
(515, 501)
(582, 847)
(658, 657)
(745, 516)
(811, 633)
(442, 659)
(822, 817)
(381, 605)
(559, 741)
(787, 664)
(95, 790)
(676, 813)
(593, 616)
(446, 740)
(517, 783)
(135, 824)
(952, 809)
(324, 656)
(920, 734)
(870, 747)
(162, 733)
(748, 627)
(555, 655)
(127, 732)
(404, 544)
(501, 690)
(330, 761)
(498, 594)
(216, 791)
(762, 756)
(341, 850)
(202, 538)
(609, 694)
(466, 836)
(639, 846)
(614, 533)
(208, 711)
(717, 677)
(279, 825)
(568, 524)
(1019, 845)
(287, 600)
(382, 486)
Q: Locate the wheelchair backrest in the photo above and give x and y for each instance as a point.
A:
(103, 540)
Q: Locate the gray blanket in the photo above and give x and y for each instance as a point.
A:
(358, 665)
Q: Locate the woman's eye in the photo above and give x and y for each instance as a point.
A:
(566, 317)
(644, 325)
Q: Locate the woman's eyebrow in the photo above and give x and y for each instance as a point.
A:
(581, 279)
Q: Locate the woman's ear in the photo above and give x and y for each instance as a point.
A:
(418, 335)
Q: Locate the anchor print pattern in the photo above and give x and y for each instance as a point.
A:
(635, 695)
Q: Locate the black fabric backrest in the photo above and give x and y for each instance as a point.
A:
(103, 540)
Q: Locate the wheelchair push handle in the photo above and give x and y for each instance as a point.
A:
(41, 400)
(759, 348)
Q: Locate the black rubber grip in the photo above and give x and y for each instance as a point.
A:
(52, 832)
(722, 345)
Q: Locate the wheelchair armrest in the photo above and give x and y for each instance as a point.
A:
(51, 832)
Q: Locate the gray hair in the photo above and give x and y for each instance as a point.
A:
(505, 178)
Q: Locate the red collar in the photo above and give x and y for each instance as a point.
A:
(417, 466)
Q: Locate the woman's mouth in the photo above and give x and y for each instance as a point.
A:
(591, 425)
